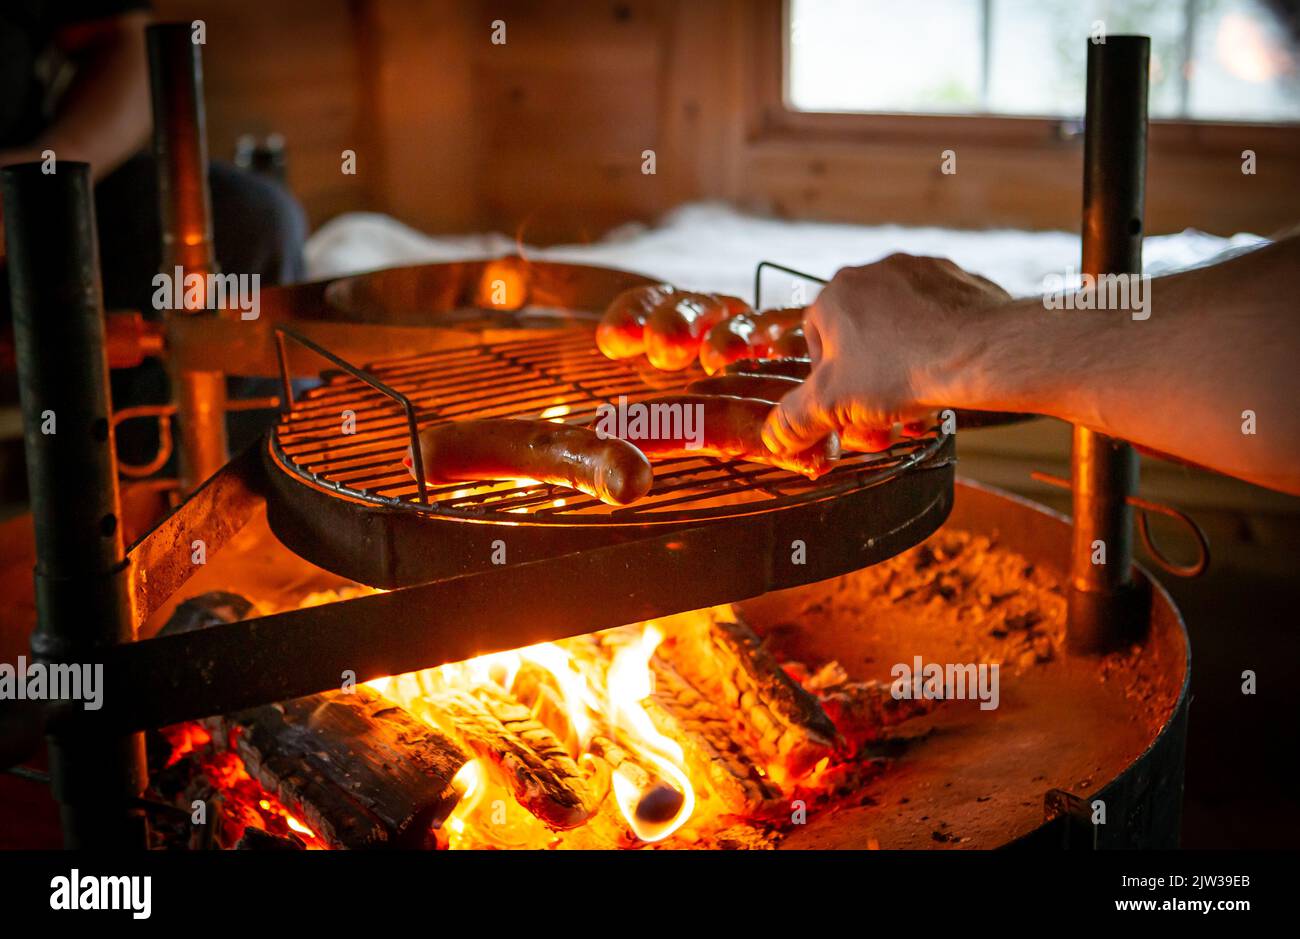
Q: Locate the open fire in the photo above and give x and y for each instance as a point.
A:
(677, 732)
(680, 732)
(561, 738)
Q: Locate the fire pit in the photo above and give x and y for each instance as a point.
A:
(686, 732)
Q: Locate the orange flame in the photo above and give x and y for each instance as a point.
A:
(586, 696)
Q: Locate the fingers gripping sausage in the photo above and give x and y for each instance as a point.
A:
(610, 469)
(725, 427)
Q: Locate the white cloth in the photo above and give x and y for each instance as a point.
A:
(708, 246)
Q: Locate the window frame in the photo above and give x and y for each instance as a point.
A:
(770, 118)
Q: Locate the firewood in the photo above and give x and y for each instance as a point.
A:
(681, 713)
(659, 800)
(255, 839)
(728, 662)
(542, 775)
(863, 710)
(357, 769)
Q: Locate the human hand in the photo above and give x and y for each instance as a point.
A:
(885, 340)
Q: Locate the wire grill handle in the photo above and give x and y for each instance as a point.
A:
(758, 279)
(361, 375)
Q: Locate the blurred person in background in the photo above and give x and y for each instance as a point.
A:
(74, 80)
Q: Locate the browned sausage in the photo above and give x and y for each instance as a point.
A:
(728, 341)
(610, 469)
(764, 387)
(789, 367)
(676, 327)
(621, 332)
(731, 429)
(735, 306)
(748, 335)
(791, 344)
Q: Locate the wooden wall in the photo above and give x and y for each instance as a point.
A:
(544, 135)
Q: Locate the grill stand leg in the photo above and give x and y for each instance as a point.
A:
(1105, 607)
(82, 599)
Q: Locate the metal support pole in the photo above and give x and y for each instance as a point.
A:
(83, 599)
(180, 146)
(1105, 608)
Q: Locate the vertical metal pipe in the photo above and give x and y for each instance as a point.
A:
(82, 597)
(1104, 608)
(180, 147)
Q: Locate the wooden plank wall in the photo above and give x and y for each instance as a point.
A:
(291, 67)
(544, 135)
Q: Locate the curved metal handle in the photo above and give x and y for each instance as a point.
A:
(360, 375)
(1195, 569)
(162, 413)
(758, 279)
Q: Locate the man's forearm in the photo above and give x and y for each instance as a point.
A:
(1218, 342)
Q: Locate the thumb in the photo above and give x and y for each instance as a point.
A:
(798, 420)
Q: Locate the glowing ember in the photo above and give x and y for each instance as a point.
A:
(227, 771)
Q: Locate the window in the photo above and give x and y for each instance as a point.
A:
(1211, 60)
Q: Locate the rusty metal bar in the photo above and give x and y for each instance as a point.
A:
(229, 667)
(82, 600)
(1105, 608)
(164, 558)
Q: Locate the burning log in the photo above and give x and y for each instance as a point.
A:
(681, 713)
(358, 769)
(862, 710)
(658, 801)
(543, 776)
(256, 839)
(730, 664)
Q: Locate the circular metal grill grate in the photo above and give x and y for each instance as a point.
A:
(350, 437)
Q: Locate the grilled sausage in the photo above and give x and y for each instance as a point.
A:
(735, 306)
(731, 428)
(728, 341)
(763, 387)
(747, 335)
(621, 331)
(791, 344)
(677, 326)
(610, 469)
(789, 367)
